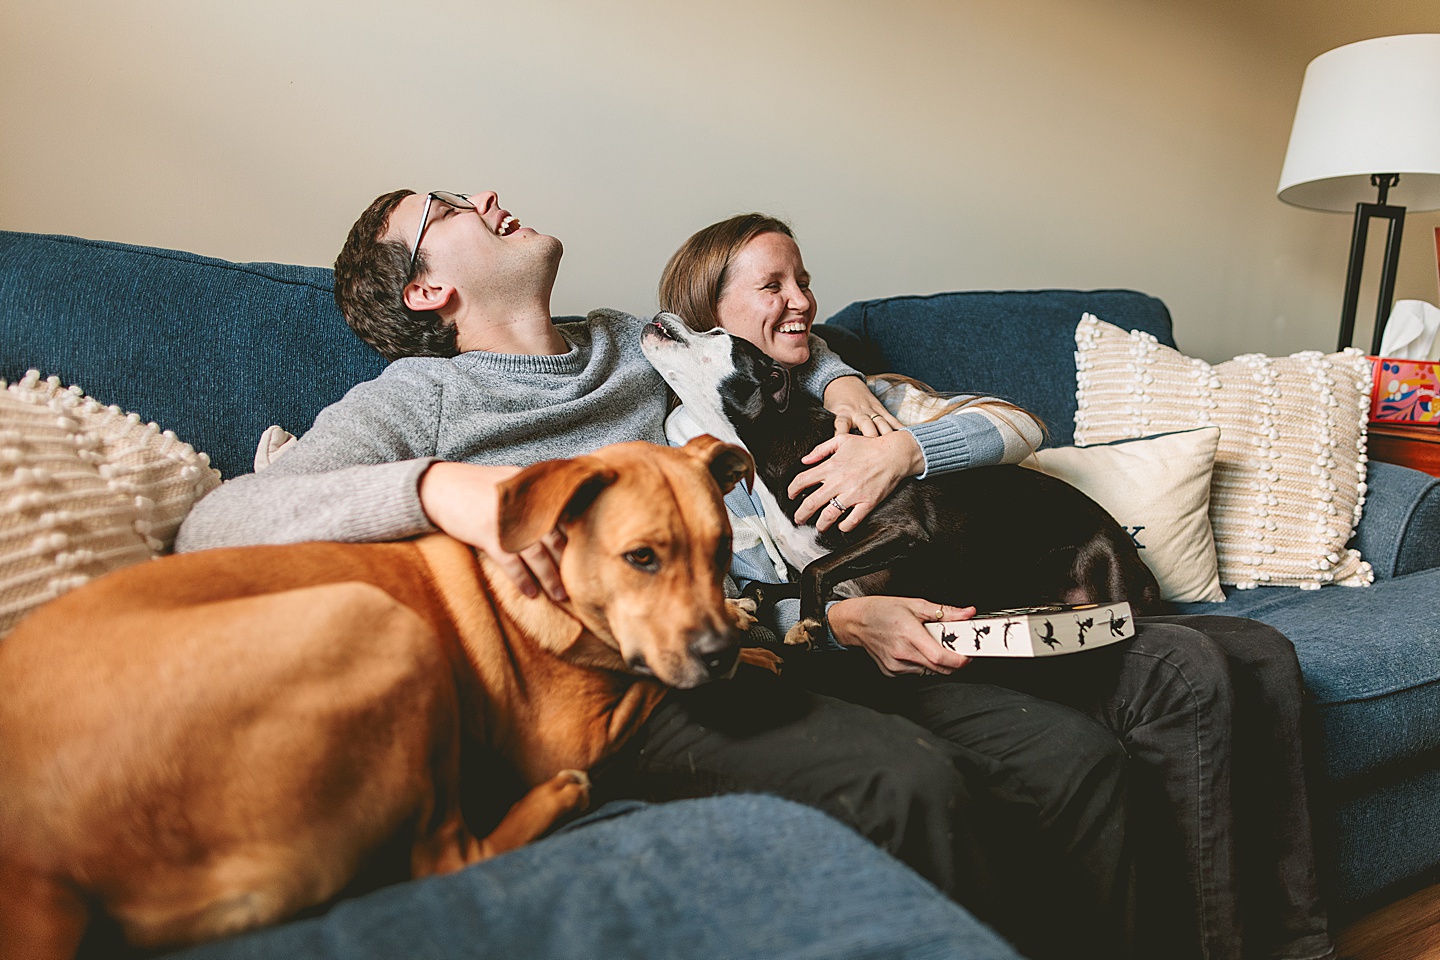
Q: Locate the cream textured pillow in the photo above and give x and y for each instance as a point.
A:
(84, 489)
(1159, 490)
(274, 443)
(1289, 478)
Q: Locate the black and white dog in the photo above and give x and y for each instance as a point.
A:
(992, 537)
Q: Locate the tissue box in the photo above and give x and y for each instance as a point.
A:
(1405, 391)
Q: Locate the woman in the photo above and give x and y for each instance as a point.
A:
(1193, 699)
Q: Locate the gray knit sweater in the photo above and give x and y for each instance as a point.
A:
(354, 476)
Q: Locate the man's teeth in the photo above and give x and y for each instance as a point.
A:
(798, 327)
(507, 226)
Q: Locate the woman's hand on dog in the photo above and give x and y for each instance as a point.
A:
(859, 472)
(856, 408)
(463, 500)
(892, 630)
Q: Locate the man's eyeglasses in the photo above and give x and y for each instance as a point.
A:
(460, 201)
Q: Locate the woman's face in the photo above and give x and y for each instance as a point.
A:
(767, 298)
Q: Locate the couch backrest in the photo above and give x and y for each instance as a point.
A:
(215, 351)
(1015, 344)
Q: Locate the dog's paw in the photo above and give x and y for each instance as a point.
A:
(762, 658)
(803, 633)
(742, 612)
(573, 786)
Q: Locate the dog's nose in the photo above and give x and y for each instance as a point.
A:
(717, 652)
(720, 664)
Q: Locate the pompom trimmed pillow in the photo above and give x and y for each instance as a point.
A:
(84, 489)
(1158, 488)
(1289, 480)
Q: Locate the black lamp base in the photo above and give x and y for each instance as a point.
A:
(1364, 213)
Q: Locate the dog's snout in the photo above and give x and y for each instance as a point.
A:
(718, 652)
(721, 664)
(660, 329)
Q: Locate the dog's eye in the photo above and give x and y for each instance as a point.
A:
(643, 558)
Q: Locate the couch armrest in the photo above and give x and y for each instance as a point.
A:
(1399, 529)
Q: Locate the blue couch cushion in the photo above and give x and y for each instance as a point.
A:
(215, 351)
(1399, 530)
(1015, 344)
(1371, 660)
(728, 878)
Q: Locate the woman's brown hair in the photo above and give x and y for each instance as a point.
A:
(694, 279)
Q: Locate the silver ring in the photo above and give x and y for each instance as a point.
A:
(835, 502)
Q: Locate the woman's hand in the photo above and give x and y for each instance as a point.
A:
(892, 630)
(859, 472)
(856, 408)
(463, 500)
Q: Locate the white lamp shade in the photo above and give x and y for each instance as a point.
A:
(1366, 108)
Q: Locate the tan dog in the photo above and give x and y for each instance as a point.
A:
(214, 741)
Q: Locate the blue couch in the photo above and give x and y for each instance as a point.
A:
(218, 351)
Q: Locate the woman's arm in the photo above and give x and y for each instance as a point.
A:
(860, 472)
(892, 631)
(856, 408)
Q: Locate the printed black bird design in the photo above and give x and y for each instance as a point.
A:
(979, 632)
(1117, 625)
(1048, 637)
(948, 639)
(1084, 625)
(1005, 637)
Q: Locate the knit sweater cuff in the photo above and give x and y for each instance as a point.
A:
(385, 503)
(944, 447)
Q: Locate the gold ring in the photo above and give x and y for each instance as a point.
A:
(940, 612)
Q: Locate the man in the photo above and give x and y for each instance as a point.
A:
(456, 293)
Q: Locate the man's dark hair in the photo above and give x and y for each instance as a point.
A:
(370, 277)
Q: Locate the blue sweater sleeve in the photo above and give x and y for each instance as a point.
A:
(966, 431)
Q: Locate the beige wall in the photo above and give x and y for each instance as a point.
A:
(917, 146)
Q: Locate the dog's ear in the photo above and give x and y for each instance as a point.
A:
(728, 463)
(777, 386)
(537, 499)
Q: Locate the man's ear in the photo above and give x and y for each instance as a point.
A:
(535, 500)
(420, 295)
(728, 464)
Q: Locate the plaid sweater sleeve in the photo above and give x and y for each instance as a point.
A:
(956, 433)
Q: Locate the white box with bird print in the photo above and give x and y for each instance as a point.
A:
(1037, 631)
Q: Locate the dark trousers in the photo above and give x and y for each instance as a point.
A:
(1208, 708)
(1010, 804)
